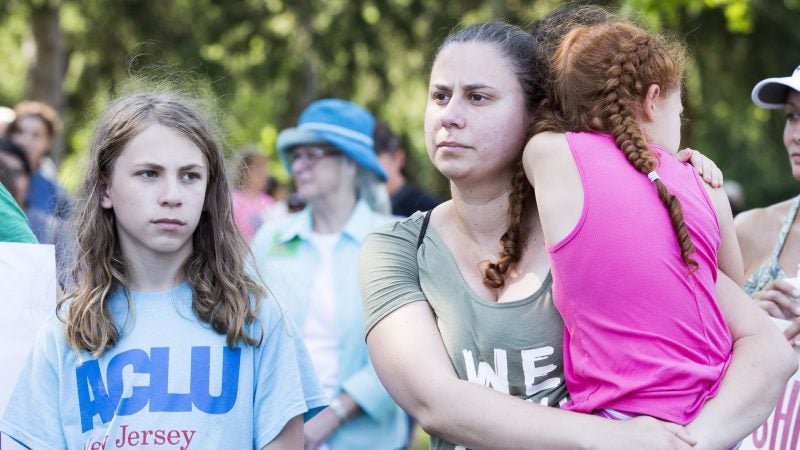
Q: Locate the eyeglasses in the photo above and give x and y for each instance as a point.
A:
(310, 154)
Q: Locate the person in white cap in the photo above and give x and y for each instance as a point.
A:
(770, 237)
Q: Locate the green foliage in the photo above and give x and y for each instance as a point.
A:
(746, 141)
(14, 26)
(260, 62)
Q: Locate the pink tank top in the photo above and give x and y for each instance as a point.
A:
(642, 334)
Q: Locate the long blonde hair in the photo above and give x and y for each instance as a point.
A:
(221, 290)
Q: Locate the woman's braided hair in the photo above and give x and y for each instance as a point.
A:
(601, 74)
(546, 33)
(519, 49)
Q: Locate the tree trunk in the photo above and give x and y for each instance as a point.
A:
(47, 64)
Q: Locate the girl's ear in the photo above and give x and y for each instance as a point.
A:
(105, 197)
(649, 105)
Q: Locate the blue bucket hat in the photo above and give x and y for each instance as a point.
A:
(340, 123)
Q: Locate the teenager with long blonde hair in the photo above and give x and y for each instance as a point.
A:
(161, 337)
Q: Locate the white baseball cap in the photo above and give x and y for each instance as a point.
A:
(772, 92)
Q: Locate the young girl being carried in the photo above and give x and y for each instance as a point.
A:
(635, 240)
(162, 337)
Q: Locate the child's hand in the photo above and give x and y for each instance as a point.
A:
(704, 166)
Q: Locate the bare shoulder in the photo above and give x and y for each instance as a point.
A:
(544, 150)
(762, 221)
(546, 142)
(757, 229)
(718, 198)
(443, 217)
(729, 256)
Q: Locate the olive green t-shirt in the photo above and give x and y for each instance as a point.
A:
(513, 347)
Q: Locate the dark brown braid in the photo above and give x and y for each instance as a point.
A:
(600, 76)
(547, 34)
(513, 240)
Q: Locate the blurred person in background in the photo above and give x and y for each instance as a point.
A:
(770, 236)
(13, 224)
(35, 129)
(309, 262)
(47, 227)
(18, 170)
(7, 177)
(250, 198)
(406, 198)
(286, 202)
(295, 203)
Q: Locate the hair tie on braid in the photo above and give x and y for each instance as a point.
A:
(653, 176)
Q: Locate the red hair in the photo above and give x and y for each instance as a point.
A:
(601, 75)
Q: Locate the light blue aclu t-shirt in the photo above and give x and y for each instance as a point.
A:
(169, 383)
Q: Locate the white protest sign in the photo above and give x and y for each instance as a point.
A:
(28, 287)
(781, 430)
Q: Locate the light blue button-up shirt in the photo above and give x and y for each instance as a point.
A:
(287, 261)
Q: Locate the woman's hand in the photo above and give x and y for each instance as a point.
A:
(778, 299)
(646, 432)
(704, 166)
(792, 333)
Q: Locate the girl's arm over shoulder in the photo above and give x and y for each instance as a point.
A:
(551, 169)
(729, 257)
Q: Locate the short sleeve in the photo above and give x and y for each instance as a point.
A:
(13, 223)
(33, 416)
(286, 384)
(388, 275)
